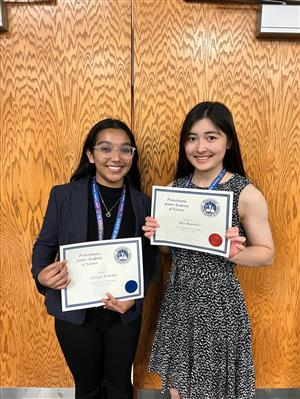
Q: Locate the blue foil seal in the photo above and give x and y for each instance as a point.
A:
(131, 286)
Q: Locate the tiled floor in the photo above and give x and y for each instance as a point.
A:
(68, 393)
(36, 393)
(260, 394)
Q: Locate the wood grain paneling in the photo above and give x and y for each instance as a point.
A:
(28, 1)
(186, 53)
(63, 67)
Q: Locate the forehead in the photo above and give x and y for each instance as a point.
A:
(203, 126)
(118, 136)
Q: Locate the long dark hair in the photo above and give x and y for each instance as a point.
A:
(85, 168)
(222, 118)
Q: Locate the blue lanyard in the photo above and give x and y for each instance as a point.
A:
(96, 198)
(214, 183)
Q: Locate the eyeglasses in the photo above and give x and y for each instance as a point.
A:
(106, 150)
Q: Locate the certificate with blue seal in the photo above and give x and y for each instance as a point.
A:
(98, 267)
(192, 218)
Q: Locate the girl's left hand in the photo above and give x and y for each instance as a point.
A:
(112, 303)
(236, 241)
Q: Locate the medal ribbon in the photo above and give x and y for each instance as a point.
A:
(97, 204)
(214, 183)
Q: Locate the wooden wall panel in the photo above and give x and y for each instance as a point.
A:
(63, 67)
(186, 53)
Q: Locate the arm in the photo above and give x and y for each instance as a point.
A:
(149, 228)
(111, 303)
(253, 212)
(54, 276)
(46, 272)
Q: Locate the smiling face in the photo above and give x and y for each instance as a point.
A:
(111, 168)
(205, 147)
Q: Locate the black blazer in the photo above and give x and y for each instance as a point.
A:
(66, 222)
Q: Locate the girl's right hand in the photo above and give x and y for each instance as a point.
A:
(54, 276)
(237, 242)
(150, 226)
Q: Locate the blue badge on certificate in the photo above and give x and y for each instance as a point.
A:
(210, 207)
(122, 255)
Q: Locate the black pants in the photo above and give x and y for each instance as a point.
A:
(100, 353)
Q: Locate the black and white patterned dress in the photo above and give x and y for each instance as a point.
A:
(202, 346)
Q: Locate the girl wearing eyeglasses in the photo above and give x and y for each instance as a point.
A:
(202, 347)
(102, 201)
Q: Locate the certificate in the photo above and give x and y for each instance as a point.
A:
(98, 267)
(192, 218)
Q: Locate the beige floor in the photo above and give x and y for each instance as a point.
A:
(68, 393)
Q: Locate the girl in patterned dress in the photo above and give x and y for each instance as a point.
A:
(202, 346)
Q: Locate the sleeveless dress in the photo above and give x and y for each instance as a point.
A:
(202, 345)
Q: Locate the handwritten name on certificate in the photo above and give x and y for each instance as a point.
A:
(192, 218)
(98, 267)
